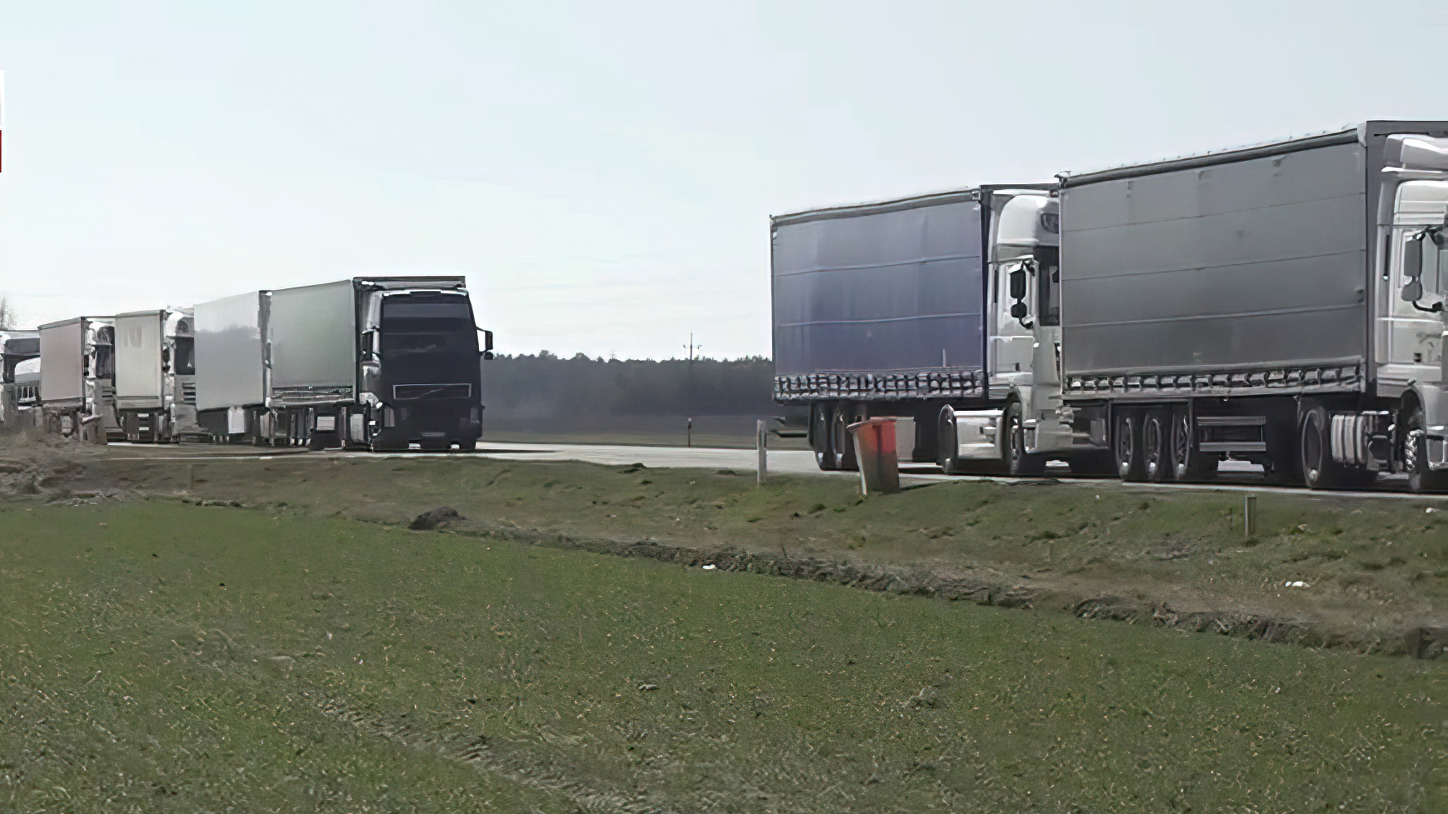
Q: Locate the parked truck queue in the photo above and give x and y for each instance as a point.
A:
(1281, 304)
(381, 363)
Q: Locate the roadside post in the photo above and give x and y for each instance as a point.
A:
(761, 445)
(1249, 515)
(876, 455)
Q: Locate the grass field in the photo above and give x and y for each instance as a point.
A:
(159, 656)
(1362, 573)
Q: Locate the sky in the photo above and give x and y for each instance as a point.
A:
(603, 172)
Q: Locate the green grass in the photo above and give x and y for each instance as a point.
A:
(1372, 568)
(158, 656)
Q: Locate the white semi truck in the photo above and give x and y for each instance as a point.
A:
(1280, 304)
(156, 375)
(904, 308)
(77, 379)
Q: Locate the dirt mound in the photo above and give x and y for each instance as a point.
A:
(441, 516)
(39, 467)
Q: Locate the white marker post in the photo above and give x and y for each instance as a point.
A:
(761, 444)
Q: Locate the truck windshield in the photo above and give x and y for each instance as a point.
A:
(429, 340)
(185, 356)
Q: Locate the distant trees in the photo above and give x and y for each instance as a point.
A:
(545, 386)
(9, 317)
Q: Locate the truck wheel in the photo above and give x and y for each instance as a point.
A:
(841, 444)
(1126, 445)
(1415, 457)
(1156, 446)
(1018, 462)
(1319, 470)
(1188, 462)
(820, 428)
(948, 454)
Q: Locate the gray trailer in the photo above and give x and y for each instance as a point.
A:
(77, 378)
(895, 309)
(370, 362)
(1265, 304)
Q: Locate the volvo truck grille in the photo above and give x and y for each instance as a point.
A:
(413, 392)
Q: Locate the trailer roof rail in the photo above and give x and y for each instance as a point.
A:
(899, 204)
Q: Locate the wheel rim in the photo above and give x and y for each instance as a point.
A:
(838, 436)
(1152, 440)
(1311, 450)
(1125, 445)
(1016, 440)
(1182, 443)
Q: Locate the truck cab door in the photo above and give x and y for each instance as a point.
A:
(1413, 337)
(1011, 341)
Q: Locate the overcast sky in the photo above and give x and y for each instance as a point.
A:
(603, 172)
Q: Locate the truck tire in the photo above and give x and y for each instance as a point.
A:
(841, 445)
(1421, 479)
(1189, 463)
(1018, 462)
(1156, 446)
(1319, 470)
(819, 416)
(1126, 445)
(948, 454)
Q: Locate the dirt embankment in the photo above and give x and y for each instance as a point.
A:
(36, 467)
(1368, 575)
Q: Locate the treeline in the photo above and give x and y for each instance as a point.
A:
(547, 386)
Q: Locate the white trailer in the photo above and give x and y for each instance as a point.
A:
(231, 364)
(155, 375)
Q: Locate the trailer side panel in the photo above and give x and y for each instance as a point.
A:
(313, 336)
(1246, 275)
(62, 361)
(139, 379)
(229, 352)
(884, 302)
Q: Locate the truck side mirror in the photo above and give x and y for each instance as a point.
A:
(1413, 291)
(1018, 286)
(487, 344)
(1018, 311)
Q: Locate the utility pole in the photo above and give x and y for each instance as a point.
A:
(689, 391)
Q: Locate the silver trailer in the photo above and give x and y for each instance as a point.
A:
(231, 363)
(15, 347)
(1280, 304)
(155, 375)
(77, 378)
(371, 362)
(897, 309)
